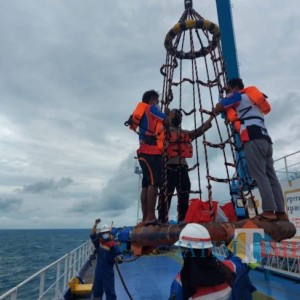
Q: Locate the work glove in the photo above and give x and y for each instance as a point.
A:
(119, 259)
(253, 265)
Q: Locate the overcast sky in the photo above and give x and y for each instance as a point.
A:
(73, 70)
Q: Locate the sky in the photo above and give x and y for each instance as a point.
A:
(73, 71)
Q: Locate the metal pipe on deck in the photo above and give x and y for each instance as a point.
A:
(160, 235)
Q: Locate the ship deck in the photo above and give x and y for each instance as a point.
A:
(147, 277)
(150, 277)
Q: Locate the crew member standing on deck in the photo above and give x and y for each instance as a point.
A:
(108, 252)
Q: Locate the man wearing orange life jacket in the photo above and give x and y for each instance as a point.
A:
(150, 153)
(257, 147)
(178, 150)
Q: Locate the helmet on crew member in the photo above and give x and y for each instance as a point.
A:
(176, 120)
(194, 236)
(105, 228)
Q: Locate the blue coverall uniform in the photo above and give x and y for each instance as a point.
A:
(104, 280)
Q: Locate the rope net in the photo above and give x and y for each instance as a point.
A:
(194, 79)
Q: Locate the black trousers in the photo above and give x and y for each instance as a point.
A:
(177, 178)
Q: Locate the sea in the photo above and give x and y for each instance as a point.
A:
(25, 252)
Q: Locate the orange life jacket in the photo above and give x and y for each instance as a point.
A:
(156, 128)
(137, 115)
(160, 135)
(258, 99)
(135, 119)
(180, 145)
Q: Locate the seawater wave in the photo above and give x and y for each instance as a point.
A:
(25, 252)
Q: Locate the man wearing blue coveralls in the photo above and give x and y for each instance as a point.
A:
(108, 252)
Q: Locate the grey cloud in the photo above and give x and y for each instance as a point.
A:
(46, 186)
(120, 193)
(86, 205)
(72, 74)
(10, 204)
(283, 109)
(122, 187)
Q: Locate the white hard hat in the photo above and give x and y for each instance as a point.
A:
(194, 236)
(105, 228)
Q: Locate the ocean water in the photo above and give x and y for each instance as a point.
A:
(25, 252)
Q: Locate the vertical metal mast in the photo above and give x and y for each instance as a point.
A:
(227, 38)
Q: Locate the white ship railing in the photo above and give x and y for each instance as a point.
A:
(51, 281)
(288, 167)
(284, 259)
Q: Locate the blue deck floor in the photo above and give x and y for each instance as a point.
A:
(150, 277)
(278, 287)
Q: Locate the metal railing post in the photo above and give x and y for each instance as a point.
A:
(14, 295)
(42, 284)
(66, 270)
(286, 168)
(57, 291)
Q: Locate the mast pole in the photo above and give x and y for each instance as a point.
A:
(227, 38)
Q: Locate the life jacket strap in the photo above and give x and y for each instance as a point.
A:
(242, 120)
